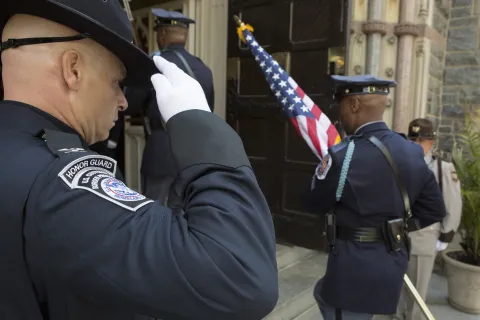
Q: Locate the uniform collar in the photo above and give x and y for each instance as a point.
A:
(429, 156)
(27, 118)
(371, 126)
(174, 46)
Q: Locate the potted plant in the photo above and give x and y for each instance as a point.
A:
(463, 266)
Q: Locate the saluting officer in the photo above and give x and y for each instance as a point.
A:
(426, 242)
(75, 242)
(366, 209)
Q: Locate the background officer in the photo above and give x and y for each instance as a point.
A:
(172, 35)
(158, 168)
(75, 242)
(427, 241)
(366, 209)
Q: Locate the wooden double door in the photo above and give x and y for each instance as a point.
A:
(307, 38)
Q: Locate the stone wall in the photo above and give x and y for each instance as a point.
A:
(437, 62)
(461, 81)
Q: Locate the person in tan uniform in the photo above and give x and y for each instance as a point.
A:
(428, 241)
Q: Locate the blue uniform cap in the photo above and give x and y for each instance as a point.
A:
(171, 18)
(363, 84)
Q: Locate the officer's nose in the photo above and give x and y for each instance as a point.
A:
(122, 103)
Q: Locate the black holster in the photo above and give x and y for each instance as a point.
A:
(331, 230)
(395, 235)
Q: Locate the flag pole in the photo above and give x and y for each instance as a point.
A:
(237, 20)
(426, 312)
(126, 6)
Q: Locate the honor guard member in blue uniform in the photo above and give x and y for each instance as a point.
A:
(76, 243)
(367, 209)
(172, 34)
(158, 168)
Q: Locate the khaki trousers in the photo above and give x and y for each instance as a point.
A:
(420, 268)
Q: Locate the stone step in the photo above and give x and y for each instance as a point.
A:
(313, 313)
(296, 282)
(288, 255)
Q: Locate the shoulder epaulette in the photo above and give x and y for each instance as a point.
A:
(338, 147)
(59, 142)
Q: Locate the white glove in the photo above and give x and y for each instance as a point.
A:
(441, 245)
(176, 91)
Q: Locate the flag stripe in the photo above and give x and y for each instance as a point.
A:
(300, 92)
(302, 123)
(323, 136)
(332, 135)
(313, 134)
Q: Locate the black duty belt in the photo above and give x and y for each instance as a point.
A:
(413, 225)
(360, 234)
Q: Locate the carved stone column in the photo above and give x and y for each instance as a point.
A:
(374, 28)
(211, 45)
(406, 31)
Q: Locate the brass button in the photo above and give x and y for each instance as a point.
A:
(398, 237)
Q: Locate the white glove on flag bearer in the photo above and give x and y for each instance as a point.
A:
(170, 88)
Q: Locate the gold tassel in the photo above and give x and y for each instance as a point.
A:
(240, 31)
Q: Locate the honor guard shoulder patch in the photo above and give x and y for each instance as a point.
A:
(323, 167)
(96, 173)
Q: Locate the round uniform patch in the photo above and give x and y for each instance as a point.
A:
(118, 190)
(324, 167)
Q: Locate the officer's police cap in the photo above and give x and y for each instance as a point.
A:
(357, 85)
(170, 18)
(102, 21)
(421, 128)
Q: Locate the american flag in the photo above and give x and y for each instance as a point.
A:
(310, 122)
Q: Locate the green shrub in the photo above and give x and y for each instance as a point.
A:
(466, 157)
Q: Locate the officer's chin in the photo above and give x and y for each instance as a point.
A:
(343, 133)
(102, 137)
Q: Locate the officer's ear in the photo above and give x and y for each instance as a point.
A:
(71, 69)
(161, 32)
(354, 104)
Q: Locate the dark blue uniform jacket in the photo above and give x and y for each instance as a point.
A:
(202, 73)
(365, 277)
(76, 243)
